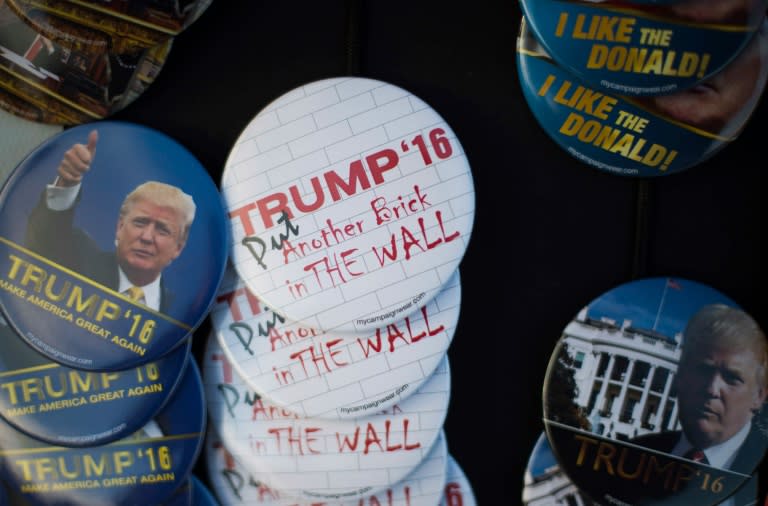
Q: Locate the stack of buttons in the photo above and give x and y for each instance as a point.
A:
(100, 399)
(643, 88)
(351, 205)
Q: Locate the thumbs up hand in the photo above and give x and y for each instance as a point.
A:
(77, 161)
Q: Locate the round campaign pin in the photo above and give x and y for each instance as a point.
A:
(182, 496)
(351, 204)
(544, 480)
(45, 82)
(333, 374)
(642, 136)
(232, 484)
(458, 490)
(316, 458)
(118, 27)
(19, 138)
(107, 234)
(201, 496)
(69, 407)
(653, 396)
(143, 468)
(633, 48)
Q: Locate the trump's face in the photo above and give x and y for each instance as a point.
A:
(718, 389)
(149, 237)
(717, 103)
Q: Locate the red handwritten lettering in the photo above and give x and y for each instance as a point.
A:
(297, 443)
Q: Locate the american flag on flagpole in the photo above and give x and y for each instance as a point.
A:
(671, 283)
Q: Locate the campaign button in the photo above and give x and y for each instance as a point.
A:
(332, 374)
(20, 137)
(639, 398)
(201, 496)
(544, 480)
(642, 48)
(117, 27)
(232, 484)
(458, 489)
(641, 136)
(143, 468)
(182, 496)
(69, 407)
(106, 246)
(348, 199)
(49, 83)
(323, 459)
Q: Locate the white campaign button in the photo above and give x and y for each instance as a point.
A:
(332, 375)
(349, 199)
(319, 459)
(458, 490)
(232, 484)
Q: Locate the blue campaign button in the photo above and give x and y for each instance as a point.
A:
(146, 467)
(182, 496)
(112, 246)
(201, 496)
(646, 48)
(640, 136)
(640, 398)
(69, 407)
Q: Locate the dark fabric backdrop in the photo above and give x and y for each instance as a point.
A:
(550, 233)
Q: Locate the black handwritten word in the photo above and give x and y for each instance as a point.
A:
(258, 247)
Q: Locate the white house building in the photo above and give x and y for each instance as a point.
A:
(624, 376)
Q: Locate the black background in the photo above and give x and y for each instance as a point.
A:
(550, 233)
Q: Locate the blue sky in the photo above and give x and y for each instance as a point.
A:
(640, 301)
(541, 457)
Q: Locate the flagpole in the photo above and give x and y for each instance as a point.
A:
(661, 303)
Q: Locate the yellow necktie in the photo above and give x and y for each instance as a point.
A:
(135, 293)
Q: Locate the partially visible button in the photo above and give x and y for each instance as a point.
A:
(49, 83)
(424, 486)
(640, 375)
(646, 136)
(145, 212)
(120, 27)
(20, 137)
(143, 468)
(458, 489)
(644, 48)
(68, 407)
(333, 374)
(317, 459)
